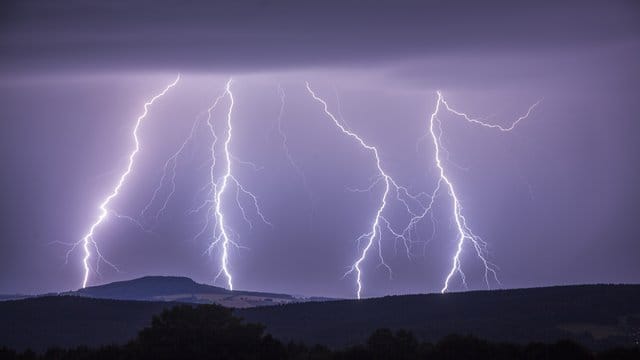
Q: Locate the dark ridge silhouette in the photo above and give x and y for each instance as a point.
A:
(183, 289)
(152, 287)
(4, 297)
(148, 287)
(596, 316)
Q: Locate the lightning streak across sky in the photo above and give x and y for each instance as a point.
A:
(416, 206)
(216, 187)
(379, 221)
(219, 193)
(211, 185)
(424, 201)
(464, 232)
(223, 236)
(88, 240)
(169, 169)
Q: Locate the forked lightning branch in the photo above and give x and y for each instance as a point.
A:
(224, 189)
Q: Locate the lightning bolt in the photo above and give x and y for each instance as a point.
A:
(223, 236)
(464, 232)
(374, 234)
(222, 226)
(88, 241)
(211, 185)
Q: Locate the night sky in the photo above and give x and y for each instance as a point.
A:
(556, 199)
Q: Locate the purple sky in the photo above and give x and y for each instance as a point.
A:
(555, 199)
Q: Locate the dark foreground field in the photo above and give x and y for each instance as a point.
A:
(212, 332)
(597, 317)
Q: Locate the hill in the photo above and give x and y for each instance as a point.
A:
(181, 289)
(598, 316)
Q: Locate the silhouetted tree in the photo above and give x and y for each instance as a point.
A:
(383, 345)
(620, 354)
(205, 331)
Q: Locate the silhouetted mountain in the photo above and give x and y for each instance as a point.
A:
(598, 316)
(148, 287)
(181, 289)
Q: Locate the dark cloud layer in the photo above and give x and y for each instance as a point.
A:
(231, 35)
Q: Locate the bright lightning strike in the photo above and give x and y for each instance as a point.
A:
(464, 232)
(379, 221)
(211, 185)
(88, 240)
(224, 237)
(222, 226)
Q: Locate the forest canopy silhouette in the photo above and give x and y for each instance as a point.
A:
(213, 332)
